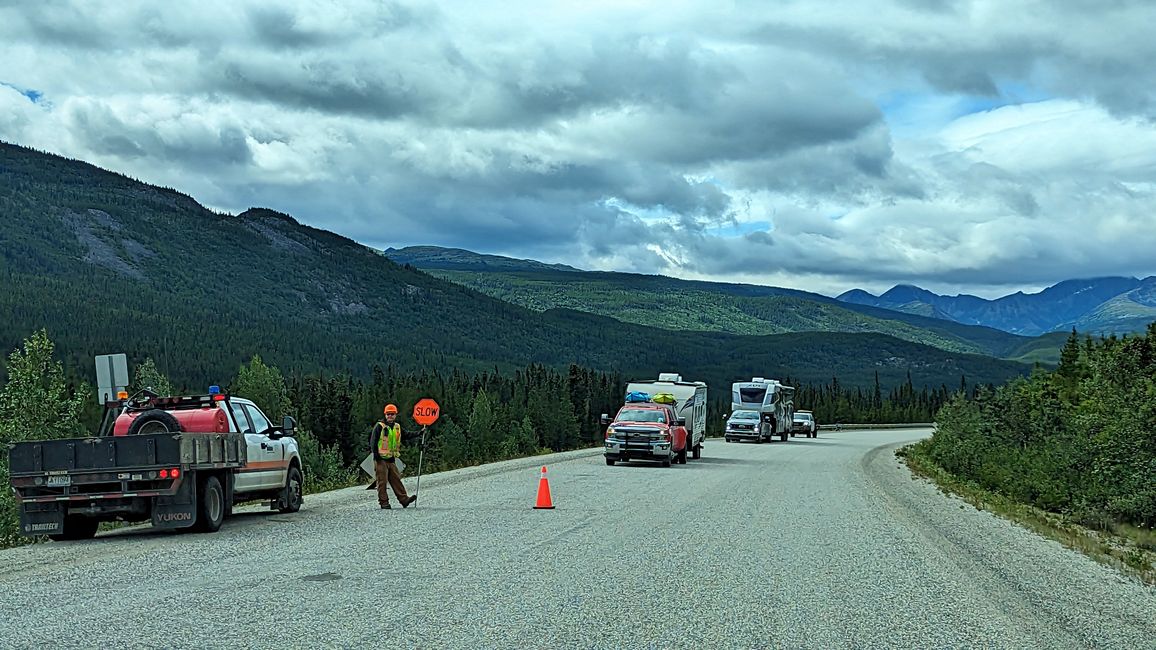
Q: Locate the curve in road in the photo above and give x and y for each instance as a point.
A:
(823, 543)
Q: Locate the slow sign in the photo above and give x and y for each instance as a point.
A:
(426, 412)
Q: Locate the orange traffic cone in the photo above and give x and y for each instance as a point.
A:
(544, 500)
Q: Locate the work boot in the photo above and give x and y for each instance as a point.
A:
(411, 499)
(385, 506)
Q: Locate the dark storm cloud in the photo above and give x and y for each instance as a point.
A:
(202, 147)
(1079, 47)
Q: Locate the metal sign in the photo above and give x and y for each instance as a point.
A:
(111, 376)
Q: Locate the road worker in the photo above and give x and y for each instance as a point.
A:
(385, 445)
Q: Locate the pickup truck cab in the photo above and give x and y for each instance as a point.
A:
(743, 425)
(804, 422)
(181, 462)
(646, 431)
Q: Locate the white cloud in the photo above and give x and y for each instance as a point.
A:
(816, 146)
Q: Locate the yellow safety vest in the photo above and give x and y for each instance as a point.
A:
(389, 442)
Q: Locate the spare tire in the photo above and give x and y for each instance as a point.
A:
(154, 421)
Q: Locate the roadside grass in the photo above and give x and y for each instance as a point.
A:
(1126, 548)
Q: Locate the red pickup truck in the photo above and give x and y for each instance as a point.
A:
(645, 431)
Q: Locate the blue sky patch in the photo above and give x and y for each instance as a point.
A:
(917, 112)
(32, 95)
(739, 229)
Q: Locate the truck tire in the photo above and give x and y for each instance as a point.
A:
(292, 495)
(210, 506)
(610, 462)
(76, 528)
(154, 421)
(697, 451)
(783, 437)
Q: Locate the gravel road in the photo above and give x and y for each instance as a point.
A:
(823, 543)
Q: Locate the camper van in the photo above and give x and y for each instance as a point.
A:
(774, 402)
(690, 404)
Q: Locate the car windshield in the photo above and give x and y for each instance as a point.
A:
(640, 415)
(806, 417)
(745, 415)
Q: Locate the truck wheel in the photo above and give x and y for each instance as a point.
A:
(76, 528)
(610, 462)
(210, 506)
(154, 421)
(697, 451)
(783, 437)
(291, 496)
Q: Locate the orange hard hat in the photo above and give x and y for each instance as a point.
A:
(390, 408)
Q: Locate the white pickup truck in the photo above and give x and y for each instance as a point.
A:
(773, 401)
(181, 462)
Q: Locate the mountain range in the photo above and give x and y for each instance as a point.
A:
(109, 264)
(670, 303)
(1112, 305)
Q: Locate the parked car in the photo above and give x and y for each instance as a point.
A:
(804, 422)
(772, 399)
(646, 431)
(743, 425)
(690, 404)
(181, 462)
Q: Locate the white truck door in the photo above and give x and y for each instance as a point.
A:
(271, 453)
(245, 480)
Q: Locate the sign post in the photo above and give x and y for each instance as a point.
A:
(111, 376)
(425, 413)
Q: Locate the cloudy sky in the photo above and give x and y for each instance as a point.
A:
(982, 146)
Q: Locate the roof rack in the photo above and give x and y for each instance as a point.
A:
(179, 402)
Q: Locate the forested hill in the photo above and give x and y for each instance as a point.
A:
(695, 305)
(109, 264)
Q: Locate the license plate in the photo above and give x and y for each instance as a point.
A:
(59, 481)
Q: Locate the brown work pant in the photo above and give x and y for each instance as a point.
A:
(387, 473)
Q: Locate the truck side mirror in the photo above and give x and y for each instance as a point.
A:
(288, 425)
(605, 419)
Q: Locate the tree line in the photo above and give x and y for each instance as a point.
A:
(1080, 440)
(486, 416)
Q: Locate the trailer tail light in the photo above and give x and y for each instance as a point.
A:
(175, 473)
(164, 473)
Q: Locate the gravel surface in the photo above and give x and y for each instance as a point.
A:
(822, 543)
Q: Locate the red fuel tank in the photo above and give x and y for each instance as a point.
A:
(204, 420)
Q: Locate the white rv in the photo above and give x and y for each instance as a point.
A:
(690, 405)
(774, 402)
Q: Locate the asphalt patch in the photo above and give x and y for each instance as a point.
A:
(322, 577)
